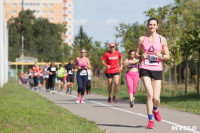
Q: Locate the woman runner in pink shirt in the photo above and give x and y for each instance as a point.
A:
(152, 45)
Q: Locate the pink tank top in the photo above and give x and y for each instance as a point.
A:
(152, 62)
(82, 64)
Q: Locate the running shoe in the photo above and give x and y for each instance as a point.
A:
(67, 91)
(78, 100)
(131, 104)
(150, 124)
(114, 99)
(35, 88)
(157, 115)
(51, 92)
(109, 100)
(82, 101)
(70, 92)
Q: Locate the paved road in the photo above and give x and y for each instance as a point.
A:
(120, 118)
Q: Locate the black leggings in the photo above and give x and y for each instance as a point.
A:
(51, 83)
(47, 85)
(88, 86)
(35, 79)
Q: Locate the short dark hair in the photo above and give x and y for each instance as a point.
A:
(131, 51)
(70, 59)
(152, 19)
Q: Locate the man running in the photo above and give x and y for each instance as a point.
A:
(60, 74)
(152, 45)
(112, 59)
(70, 68)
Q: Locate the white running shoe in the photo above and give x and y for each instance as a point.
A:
(82, 101)
(78, 100)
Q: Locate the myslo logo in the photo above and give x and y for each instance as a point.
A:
(184, 128)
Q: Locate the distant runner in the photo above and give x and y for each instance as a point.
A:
(70, 68)
(82, 64)
(52, 70)
(88, 85)
(60, 75)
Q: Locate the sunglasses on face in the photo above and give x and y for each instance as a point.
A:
(82, 52)
(112, 46)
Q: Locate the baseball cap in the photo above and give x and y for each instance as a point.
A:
(111, 44)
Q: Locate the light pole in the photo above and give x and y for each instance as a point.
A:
(22, 56)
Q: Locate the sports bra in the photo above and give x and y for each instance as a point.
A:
(132, 65)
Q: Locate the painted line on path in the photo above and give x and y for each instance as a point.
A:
(127, 111)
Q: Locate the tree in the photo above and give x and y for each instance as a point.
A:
(129, 34)
(42, 39)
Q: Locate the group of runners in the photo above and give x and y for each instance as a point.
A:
(150, 71)
(48, 75)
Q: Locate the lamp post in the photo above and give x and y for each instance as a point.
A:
(22, 55)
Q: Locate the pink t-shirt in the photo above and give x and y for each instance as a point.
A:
(152, 62)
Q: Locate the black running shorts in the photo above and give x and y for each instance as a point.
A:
(60, 78)
(70, 78)
(157, 75)
(110, 75)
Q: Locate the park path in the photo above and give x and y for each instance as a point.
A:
(120, 118)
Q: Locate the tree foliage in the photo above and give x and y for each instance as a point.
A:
(42, 39)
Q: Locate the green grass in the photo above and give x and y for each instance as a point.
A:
(22, 110)
(189, 103)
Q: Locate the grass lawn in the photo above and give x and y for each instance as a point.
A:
(189, 103)
(22, 110)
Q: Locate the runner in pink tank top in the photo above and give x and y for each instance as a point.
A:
(152, 45)
(152, 62)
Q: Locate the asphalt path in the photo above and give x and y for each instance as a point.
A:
(120, 118)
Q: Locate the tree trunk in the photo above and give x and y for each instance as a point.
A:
(163, 90)
(170, 77)
(198, 65)
(186, 75)
(179, 74)
(175, 78)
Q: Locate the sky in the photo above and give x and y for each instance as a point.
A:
(100, 17)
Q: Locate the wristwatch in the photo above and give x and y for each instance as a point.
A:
(162, 56)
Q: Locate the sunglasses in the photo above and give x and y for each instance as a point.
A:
(112, 46)
(82, 52)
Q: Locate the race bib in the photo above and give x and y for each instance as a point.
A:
(70, 72)
(53, 69)
(59, 73)
(151, 60)
(35, 74)
(83, 72)
(41, 74)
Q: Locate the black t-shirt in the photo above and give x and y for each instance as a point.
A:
(69, 67)
(53, 70)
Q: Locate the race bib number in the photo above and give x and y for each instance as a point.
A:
(59, 73)
(151, 60)
(70, 72)
(83, 72)
(35, 74)
(53, 69)
(41, 74)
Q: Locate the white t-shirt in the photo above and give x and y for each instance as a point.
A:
(89, 74)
